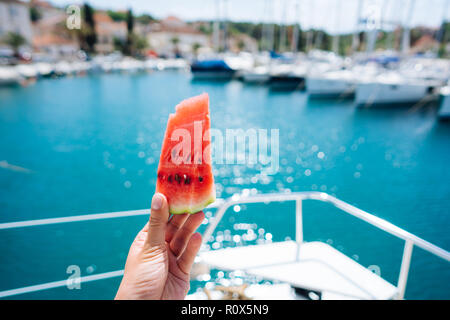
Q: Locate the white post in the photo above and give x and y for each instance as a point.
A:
(404, 269)
(216, 28)
(298, 226)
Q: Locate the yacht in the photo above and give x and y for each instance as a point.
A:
(331, 84)
(9, 76)
(287, 77)
(394, 88)
(44, 69)
(257, 75)
(336, 80)
(444, 109)
(288, 269)
(216, 69)
(28, 71)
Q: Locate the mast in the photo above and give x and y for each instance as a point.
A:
(319, 34)
(216, 28)
(225, 25)
(283, 27)
(295, 31)
(271, 29)
(268, 26)
(355, 40)
(335, 44)
(407, 28)
(310, 34)
(372, 26)
(390, 34)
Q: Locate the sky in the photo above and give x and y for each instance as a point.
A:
(335, 16)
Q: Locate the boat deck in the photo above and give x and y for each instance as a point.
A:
(318, 267)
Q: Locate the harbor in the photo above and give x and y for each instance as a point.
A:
(357, 208)
(414, 81)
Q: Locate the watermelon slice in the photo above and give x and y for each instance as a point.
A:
(185, 174)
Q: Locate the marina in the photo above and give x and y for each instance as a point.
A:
(408, 82)
(352, 203)
(352, 153)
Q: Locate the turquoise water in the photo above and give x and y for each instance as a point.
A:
(91, 144)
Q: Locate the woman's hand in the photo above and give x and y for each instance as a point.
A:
(161, 255)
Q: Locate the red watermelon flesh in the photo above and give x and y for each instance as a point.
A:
(185, 174)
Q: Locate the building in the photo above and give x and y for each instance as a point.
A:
(242, 42)
(15, 18)
(46, 10)
(173, 36)
(424, 44)
(107, 31)
(50, 35)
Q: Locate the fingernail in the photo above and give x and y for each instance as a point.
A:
(157, 201)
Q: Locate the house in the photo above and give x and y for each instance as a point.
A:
(55, 45)
(15, 18)
(173, 36)
(46, 10)
(107, 31)
(50, 34)
(425, 43)
(242, 42)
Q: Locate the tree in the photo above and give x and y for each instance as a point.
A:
(443, 36)
(195, 48)
(117, 16)
(141, 43)
(119, 44)
(87, 34)
(35, 15)
(175, 40)
(145, 19)
(241, 44)
(15, 40)
(130, 21)
(129, 48)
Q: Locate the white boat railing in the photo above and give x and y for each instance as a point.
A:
(409, 238)
(222, 206)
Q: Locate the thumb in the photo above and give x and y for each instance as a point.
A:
(158, 221)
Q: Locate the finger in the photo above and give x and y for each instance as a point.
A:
(186, 260)
(174, 224)
(158, 221)
(181, 238)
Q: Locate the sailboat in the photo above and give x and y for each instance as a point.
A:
(9, 76)
(444, 97)
(332, 81)
(396, 86)
(215, 68)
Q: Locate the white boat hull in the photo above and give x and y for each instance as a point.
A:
(373, 93)
(323, 87)
(9, 76)
(212, 75)
(255, 77)
(444, 109)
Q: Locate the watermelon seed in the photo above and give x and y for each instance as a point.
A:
(187, 180)
(169, 178)
(200, 178)
(160, 176)
(177, 178)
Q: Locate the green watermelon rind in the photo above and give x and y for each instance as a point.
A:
(192, 209)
